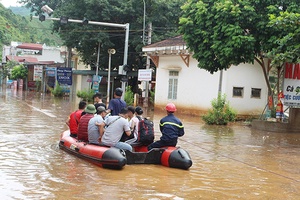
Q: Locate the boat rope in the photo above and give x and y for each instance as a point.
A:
(243, 162)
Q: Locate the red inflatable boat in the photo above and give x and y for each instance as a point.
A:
(107, 157)
(113, 158)
(174, 157)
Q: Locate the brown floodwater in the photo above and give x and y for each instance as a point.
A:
(229, 162)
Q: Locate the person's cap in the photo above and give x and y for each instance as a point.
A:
(90, 109)
(139, 110)
(100, 109)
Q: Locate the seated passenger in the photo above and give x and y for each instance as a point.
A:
(74, 118)
(170, 127)
(93, 129)
(98, 100)
(82, 135)
(112, 130)
(134, 123)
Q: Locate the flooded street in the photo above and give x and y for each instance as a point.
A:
(229, 162)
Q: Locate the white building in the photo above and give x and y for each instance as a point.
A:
(191, 89)
(41, 52)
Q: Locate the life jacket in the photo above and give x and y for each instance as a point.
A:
(83, 127)
(74, 121)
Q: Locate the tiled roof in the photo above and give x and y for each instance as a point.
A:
(176, 41)
(30, 46)
(23, 59)
(30, 60)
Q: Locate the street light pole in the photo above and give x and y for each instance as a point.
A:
(144, 21)
(125, 26)
(97, 65)
(110, 51)
(146, 99)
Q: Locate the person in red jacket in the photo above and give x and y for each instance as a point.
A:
(90, 111)
(74, 118)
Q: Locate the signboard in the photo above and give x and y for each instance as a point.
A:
(96, 81)
(37, 73)
(64, 76)
(145, 75)
(291, 84)
(50, 71)
(89, 79)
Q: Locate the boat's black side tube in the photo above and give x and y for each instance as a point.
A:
(114, 154)
(180, 158)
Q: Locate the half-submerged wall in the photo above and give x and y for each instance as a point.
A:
(292, 126)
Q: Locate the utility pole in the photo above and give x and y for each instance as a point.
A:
(125, 26)
(146, 99)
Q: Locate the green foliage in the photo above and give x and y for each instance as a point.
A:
(86, 38)
(129, 96)
(287, 47)
(14, 27)
(19, 72)
(152, 96)
(221, 112)
(58, 90)
(225, 33)
(6, 68)
(38, 86)
(86, 95)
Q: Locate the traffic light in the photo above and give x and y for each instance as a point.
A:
(85, 21)
(126, 68)
(42, 17)
(64, 20)
(123, 69)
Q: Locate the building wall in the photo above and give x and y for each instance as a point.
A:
(80, 82)
(247, 76)
(48, 54)
(197, 87)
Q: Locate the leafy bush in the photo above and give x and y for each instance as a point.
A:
(19, 72)
(221, 113)
(38, 86)
(152, 96)
(86, 95)
(58, 90)
(129, 96)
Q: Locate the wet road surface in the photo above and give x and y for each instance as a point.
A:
(229, 162)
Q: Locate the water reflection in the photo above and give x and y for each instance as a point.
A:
(229, 162)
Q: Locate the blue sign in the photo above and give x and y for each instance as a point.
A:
(96, 82)
(50, 71)
(64, 76)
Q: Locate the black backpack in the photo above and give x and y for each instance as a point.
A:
(145, 131)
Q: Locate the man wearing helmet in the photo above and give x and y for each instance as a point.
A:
(170, 127)
(115, 105)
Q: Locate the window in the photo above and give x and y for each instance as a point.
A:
(255, 92)
(238, 92)
(173, 84)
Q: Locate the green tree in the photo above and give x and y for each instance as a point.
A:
(6, 68)
(222, 33)
(14, 27)
(287, 47)
(129, 96)
(86, 38)
(19, 72)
